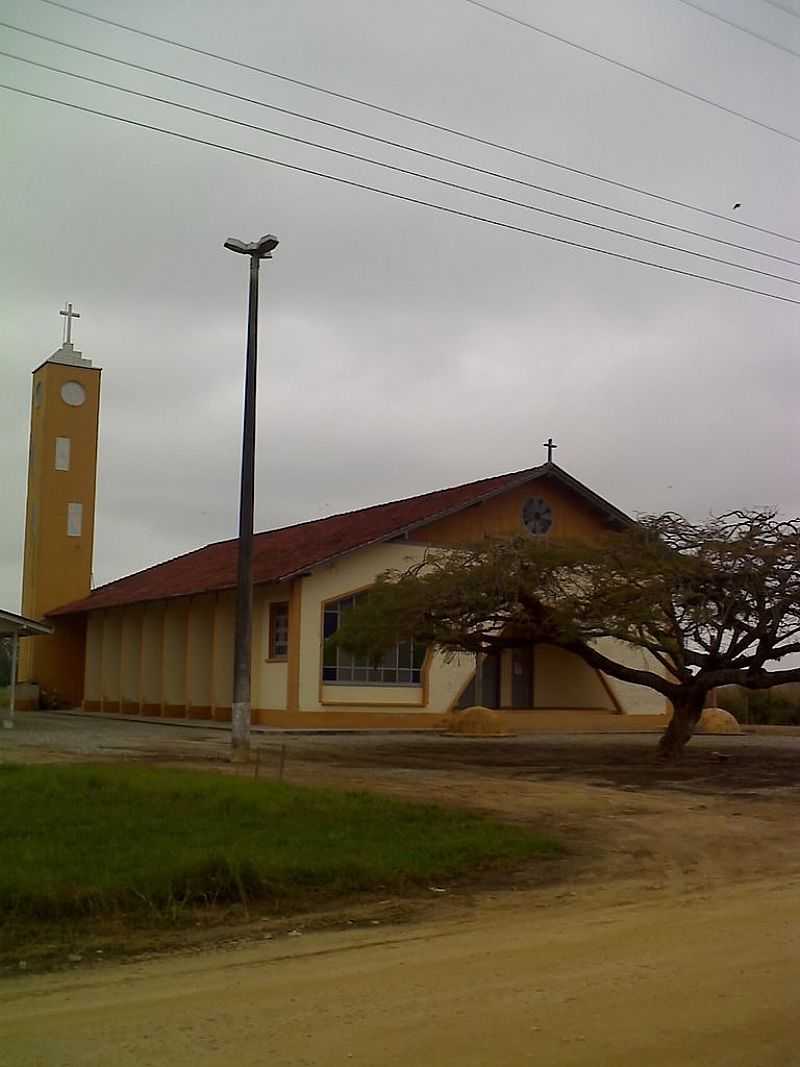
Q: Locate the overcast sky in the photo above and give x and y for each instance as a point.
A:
(402, 350)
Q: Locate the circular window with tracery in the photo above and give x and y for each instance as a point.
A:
(537, 516)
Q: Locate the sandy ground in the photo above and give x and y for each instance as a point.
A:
(707, 981)
(667, 935)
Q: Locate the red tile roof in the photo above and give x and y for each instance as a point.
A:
(287, 552)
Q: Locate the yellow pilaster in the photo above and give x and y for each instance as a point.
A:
(293, 681)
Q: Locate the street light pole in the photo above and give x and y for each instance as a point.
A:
(241, 703)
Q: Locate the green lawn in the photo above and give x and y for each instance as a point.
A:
(89, 841)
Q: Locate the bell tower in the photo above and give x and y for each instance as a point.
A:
(59, 522)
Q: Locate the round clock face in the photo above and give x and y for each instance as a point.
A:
(73, 393)
(537, 516)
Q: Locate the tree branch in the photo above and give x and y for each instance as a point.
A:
(750, 679)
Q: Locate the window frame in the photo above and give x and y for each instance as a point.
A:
(372, 675)
(277, 609)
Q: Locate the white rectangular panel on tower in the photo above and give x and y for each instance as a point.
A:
(74, 519)
(62, 453)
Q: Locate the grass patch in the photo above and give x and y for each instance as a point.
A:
(78, 842)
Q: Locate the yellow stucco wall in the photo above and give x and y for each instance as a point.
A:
(176, 656)
(93, 660)
(111, 657)
(383, 696)
(152, 653)
(562, 680)
(270, 676)
(259, 645)
(223, 649)
(199, 651)
(335, 580)
(634, 699)
(448, 679)
(131, 653)
(501, 516)
(176, 617)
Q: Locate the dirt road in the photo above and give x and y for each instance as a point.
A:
(707, 981)
(667, 934)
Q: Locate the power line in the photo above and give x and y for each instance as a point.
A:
(737, 26)
(622, 66)
(783, 7)
(441, 128)
(401, 196)
(379, 140)
(400, 170)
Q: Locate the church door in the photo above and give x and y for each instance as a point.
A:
(522, 677)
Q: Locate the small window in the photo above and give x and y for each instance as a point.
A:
(74, 519)
(278, 631)
(62, 453)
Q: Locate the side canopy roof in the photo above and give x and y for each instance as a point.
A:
(21, 625)
(279, 555)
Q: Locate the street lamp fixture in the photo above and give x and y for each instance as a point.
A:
(241, 704)
(262, 248)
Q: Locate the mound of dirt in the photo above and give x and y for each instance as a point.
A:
(718, 721)
(475, 722)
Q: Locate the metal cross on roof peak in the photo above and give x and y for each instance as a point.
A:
(69, 314)
(548, 444)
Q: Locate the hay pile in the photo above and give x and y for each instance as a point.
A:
(475, 722)
(717, 721)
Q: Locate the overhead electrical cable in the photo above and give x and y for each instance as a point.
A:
(381, 109)
(622, 66)
(397, 169)
(738, 26)
(388, 142)
(783, 7)
(400, 196)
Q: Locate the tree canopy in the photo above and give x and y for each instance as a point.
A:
(713, 603)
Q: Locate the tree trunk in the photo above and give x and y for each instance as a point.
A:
(688, 709)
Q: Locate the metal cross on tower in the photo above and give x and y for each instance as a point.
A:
(69, 314)
(548, 445)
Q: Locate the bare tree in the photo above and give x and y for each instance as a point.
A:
(712, 603)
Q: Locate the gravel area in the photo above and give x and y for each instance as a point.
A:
(743, 761)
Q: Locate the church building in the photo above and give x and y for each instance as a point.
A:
(160, 642)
